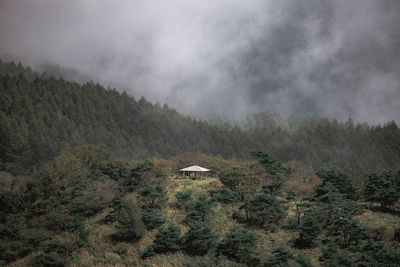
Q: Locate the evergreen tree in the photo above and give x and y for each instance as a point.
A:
(130, 227)
(225, 196)
(264, 210)
(152, 218)
(199, 239)
(167, 239)
(340, 180)
(279, 257)
(153, 196)
(183, 198)
(383, 187)
(198, 209)
(238, 245)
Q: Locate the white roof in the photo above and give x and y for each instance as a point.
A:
(194, 168)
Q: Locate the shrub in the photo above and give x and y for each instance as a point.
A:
(95, 197)
(333, 257)
(77, 227)
(345, 232)
(225, 196)
(49, 260)
(153, 196)
(198, 209)
(340, 180)
(396, 235)
(383, 187)
(138, 175)
(279, 257)
(264, 210)
(274, 188)
(238, 244)
(183, 197)
(374, 253)
(199, 239)
(152, 218)
(166, 240)
(309, 229)
(115, 169)
(130, 226)
(290, 195)
(240, 180)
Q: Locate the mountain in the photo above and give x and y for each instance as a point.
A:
(41, 115)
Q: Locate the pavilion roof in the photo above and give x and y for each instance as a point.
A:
(194, 168)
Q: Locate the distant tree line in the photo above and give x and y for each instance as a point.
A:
(41, 115)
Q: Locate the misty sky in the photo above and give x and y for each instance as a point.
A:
(324, 58)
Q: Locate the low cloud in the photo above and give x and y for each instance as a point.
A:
(320, 58)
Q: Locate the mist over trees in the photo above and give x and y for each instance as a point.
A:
(292, 106)
(41, 116)
(89, 174)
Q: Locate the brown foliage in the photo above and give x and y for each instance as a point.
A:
(98, 194)
(303, 186)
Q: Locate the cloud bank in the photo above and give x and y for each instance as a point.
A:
(317, 58)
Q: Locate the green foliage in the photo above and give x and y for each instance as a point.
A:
(264, 209)
(115, 169)
(309, 229)
(274, 188)
(153, 196)
(345, 232)
(183, 197)
(91, 156)
(77, 226)
(238, 179)
(329, 210)
(383, 187)
(334, 257)
(270, 163)
(49, 260)
(373, 253)
(139, 175)
(290, 195)
(152, 218)
(199, 239)
(340, 180)
(116, 204)
(233, 178)
(225, 196)
(238, 245)
(130, 227)
(198, 209)
(302, 260)
(279, 257)
(167, 239)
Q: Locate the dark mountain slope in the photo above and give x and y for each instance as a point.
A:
(42, 115)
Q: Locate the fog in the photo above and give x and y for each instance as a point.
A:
(335, 59)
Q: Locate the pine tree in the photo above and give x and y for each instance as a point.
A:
(238, 244)
(199, 239)
(130, 227)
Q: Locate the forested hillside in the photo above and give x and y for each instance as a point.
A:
(85, 208)
(41, 116)
(67, 202)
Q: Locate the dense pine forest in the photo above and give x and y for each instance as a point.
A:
(41, 116)
(90, 176)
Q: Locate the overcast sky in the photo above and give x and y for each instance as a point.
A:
(335, 59)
